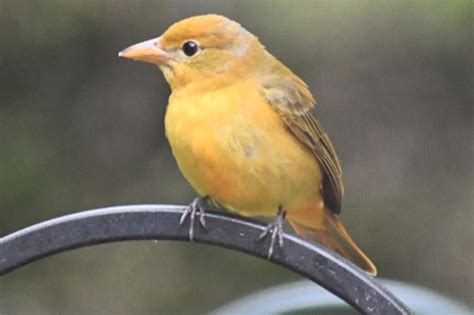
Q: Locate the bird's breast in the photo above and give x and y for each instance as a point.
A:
(231, 145)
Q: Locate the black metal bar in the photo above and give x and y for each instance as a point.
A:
(160, 222)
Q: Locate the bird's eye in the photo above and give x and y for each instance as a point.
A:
(190, 48)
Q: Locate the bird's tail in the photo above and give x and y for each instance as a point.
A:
(336, 238)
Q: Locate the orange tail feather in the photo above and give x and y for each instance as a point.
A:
(336, 238)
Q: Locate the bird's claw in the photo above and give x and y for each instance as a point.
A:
(275, 229)
(195, 208)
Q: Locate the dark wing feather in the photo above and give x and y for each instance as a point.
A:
(291, 98)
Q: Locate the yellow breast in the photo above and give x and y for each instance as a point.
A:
(232, 146)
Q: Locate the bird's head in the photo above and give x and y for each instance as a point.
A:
(199, 48)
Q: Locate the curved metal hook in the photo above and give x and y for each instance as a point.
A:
(160, 222)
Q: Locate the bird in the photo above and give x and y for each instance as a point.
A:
(242, 128)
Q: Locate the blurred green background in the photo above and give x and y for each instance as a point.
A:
(81, 129)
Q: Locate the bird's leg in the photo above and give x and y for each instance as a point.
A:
(196, 207)
(275, 229)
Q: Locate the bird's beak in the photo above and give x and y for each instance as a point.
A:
(147, 51)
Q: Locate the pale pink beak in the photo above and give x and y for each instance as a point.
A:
(147, 51)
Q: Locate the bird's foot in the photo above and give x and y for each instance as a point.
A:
(275, 229)
(195, 208)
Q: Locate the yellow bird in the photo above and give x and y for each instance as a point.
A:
(241, 129)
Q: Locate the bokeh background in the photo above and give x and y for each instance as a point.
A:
(81, 129)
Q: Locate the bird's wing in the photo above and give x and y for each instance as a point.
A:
(291, 98)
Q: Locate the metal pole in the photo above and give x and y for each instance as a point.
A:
(160, 222)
